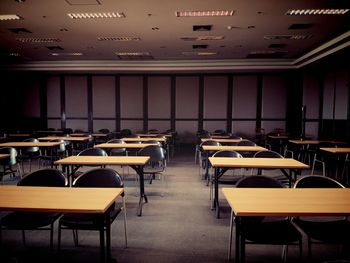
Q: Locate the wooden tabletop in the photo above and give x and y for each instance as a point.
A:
(154, 135)
(335, 150)
(303, 142)
(57, 199)
(4, 155)
(233, 148)
(279, 137)
(123, 145)
(74, 138)
(30, 144)
(263, 163)
(104, 160)
(221, 140)
(288, 201)
(144, 139)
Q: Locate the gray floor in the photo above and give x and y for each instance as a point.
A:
(177, 225)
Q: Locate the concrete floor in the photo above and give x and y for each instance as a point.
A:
(177, 225)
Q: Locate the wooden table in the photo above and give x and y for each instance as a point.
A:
(237, 148)
(65, 200)
(123, 145)
(283, 202)
(162, 139)
(4, 155)
(135, 162)
(222, 164)
(339, 151)
(66, 138)
(222, 140)
(50, 145)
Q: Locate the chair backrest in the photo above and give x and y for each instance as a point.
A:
(236, 137)
(116, 141)
(211, 142)
(31, 149)
(99, 177)
(125, 133)
(117, 151)
(226, 153)
(267, 154)
(104, 130)
(154, 131)
(93, 152)
(246, 143)
(12, 160)
(62, 146)
(133, 136)
(153, 142)
(317, 181)
(258, 181)
(156, 153)
(222, 132)
(44, 177)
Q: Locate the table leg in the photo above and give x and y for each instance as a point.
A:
(230, 240)
(139, 171)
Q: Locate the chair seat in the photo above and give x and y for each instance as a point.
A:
(272, 232)
(28, 220)
(327, 231)
(86, 221)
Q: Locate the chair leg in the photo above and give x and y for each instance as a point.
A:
(75, 237)
(59, 239)
(51, 239)
(23, 237)
(125, 226)
(309, 249)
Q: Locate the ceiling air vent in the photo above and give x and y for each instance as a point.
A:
(277, 45)
(199, 46)
(202, 27)
(19, 30)
(300, 26)
(54, 48)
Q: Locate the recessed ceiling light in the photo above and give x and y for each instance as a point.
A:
(317, 11)
(198, 53)
(118, 38)
(201, 38)
(132, 53)
(38, 40)
(67, 54)
(10, 17)
(294, 37)
(204, 13)
(96, 15)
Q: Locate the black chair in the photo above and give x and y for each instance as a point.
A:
(204, 163)
(267, 230)
(88, 152)
(10, 164)
(29, 153)
(246, 143)
(153, 131)
(99, 177)
(225, 178)
(35, 220)
(157, 161)
(117, 151)
(55, 153)
(333, 230)
(317, 157)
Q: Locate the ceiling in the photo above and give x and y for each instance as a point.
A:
(259, 35)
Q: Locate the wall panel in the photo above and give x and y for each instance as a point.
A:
(103, 94)
(187, 131)
(311, 95)
(244, 99)
(215, 96)
(53, 97)
(76, 96)
(274, 97)
(159, 97)
(131, 94)
(187, 89)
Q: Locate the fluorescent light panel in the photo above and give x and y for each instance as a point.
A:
(204, 13)
(38, 40)
(293, 37)
(317, 12)
(198, 53)
(96, 15)
(67, 54)
(9, 17)
(201, 38)
(118, 39)
(132, 53)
